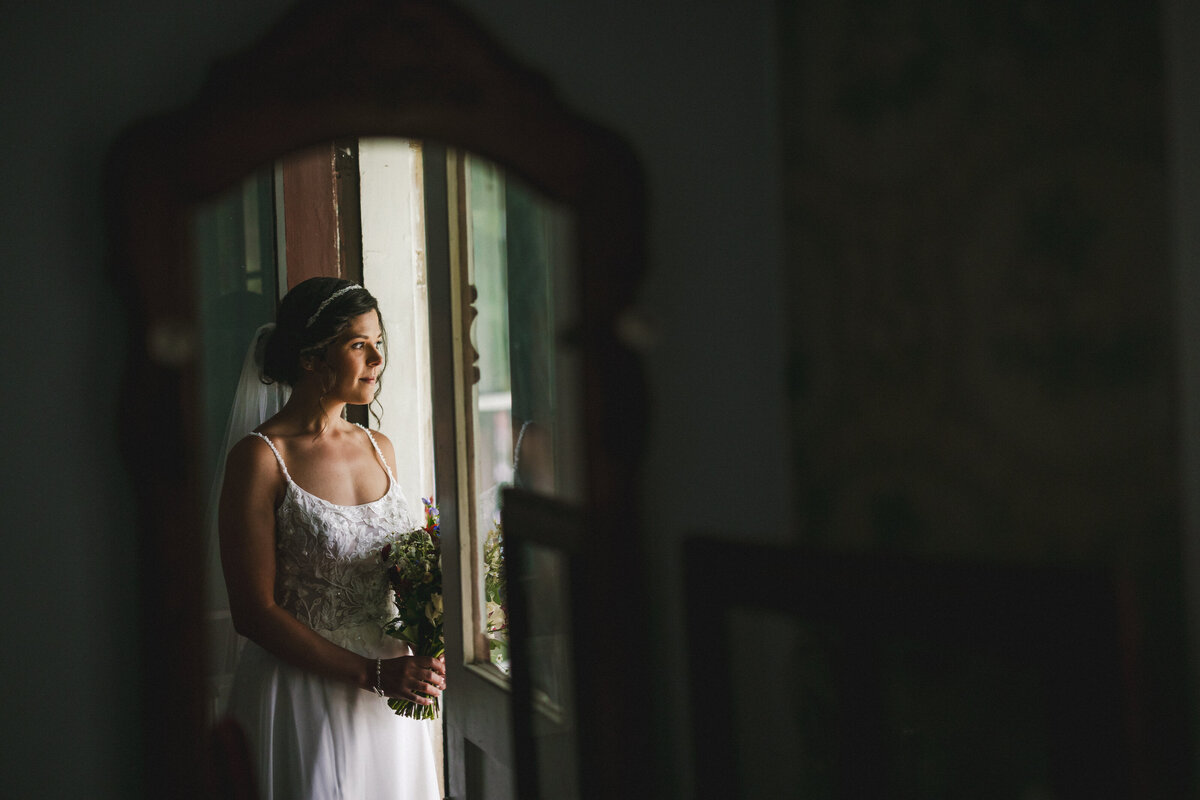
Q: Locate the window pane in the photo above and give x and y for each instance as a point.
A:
(234, 247)
(235, 251)
(524, 415)
(544, 577)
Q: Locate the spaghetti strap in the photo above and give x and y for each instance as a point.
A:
(278, 457)
(378, 452)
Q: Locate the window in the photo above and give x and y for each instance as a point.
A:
(517, 378)
(507, 411)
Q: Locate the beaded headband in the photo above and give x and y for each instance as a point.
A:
(329, 300)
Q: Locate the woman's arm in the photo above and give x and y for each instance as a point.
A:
(437, 666)
(246, 526)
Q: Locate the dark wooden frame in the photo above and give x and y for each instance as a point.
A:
(411, 68)
(1066, 622)
(531, 520)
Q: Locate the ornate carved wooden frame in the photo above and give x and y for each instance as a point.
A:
(412, 68)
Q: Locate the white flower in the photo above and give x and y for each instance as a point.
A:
(495, 616)
(433, 609)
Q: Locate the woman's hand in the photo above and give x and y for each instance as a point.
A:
(414, 678)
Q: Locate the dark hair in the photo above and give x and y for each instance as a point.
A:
(294, 338)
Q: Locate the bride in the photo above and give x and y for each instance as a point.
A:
(307, 502)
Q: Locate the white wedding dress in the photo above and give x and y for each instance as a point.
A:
(311, 737)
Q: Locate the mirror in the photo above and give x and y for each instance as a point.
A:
(414, 70)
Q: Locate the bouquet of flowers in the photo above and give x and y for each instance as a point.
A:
(496, 596)
(413, 562)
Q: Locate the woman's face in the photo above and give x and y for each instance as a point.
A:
(355, 360)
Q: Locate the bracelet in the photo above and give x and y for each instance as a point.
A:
(379, 676)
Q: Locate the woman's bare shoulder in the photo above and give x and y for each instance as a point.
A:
(385, 447)
(381, 437)
(253, 478)
(251, 455)
(383, 440)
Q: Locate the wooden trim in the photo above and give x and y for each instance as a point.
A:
(347, 202)
(458, 215)
(531, 520)
(447, 428)
(310, 211)
(322, 212)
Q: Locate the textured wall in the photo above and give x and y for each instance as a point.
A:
(982, 358)
(983, 355)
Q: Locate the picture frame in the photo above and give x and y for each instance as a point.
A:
(914, 677)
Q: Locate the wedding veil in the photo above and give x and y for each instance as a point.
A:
(253, 403)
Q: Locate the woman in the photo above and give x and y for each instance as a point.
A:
(308, 501)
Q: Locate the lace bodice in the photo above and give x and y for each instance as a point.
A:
(327, 568)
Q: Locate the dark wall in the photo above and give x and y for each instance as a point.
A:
(983, 354)
(983, 359)
(72, 76)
